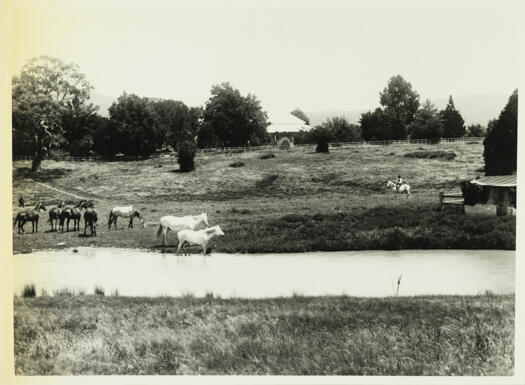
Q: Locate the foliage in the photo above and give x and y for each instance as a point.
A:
(176, 120)
(186, 155)
(49, 98)
(452, 121)
(230, 119)
(267, 156)
(321, 136)
(301, 115)
(400, 104)
(476, 130)
(135, 126)
(500, 144)
(237, 164)
(426, 124)
(29, 291)
(375, 126)
(473, 193)
(447, 155)
(341, 130)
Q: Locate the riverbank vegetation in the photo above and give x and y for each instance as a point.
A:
(93, 334)
(297, 201)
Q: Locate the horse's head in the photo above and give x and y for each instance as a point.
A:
(204, 218)
(218, 231)
(41, 205)
(61, 204)
(390, 184)
(140, 217)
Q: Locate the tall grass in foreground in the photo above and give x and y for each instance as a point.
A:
(29, 291)
(433, 335)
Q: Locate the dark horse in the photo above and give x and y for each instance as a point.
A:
(29, 216)
(74, 213)
(90, 219)
(54, 215)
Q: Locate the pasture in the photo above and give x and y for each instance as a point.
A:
(297, 201)
(96, 334)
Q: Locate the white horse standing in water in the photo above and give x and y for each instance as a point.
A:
(124, 212)
(177, 224)
(403, 189)
(201, 237)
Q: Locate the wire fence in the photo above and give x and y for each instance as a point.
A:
(235, 150)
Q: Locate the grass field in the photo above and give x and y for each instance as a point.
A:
(299, 335)
(297, 201)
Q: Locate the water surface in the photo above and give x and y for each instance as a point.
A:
(356, 273)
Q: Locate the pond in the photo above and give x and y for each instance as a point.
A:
(357, 273)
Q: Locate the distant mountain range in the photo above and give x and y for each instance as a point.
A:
(473, 108)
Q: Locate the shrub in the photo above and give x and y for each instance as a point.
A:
(447, 155)
(237, 164)
(267, 181)
(29, 291)
(267, 156)
(473, 193)
(186, 156)
(99, 290)
(322, 137)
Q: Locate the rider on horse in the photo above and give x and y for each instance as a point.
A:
(399, 182)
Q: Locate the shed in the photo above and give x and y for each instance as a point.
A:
(502, 191)
(285, 123)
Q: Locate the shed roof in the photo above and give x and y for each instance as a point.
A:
(497, 181)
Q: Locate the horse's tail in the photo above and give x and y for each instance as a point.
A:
(16, 219)
(110, 217)
(159, 231)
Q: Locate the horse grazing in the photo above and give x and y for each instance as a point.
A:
(73, 213)
(29, 216)
(124, 212)
(90, 219)
(403, 189)
(177, 224)
(200, 237)
(54, 215)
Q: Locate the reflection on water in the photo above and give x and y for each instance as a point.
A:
(356, 273)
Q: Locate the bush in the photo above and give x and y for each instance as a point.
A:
(447, 155)
(29, 291)
(186, 156)
(237, 164)
(267, 156)
(473, 193)
(321, 136)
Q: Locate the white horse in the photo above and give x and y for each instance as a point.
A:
(403, 189)
(124, 212)
(200, 237)
(177, 224)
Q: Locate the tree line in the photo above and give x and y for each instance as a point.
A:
(51, 110)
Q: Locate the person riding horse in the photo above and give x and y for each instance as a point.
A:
(399, 182)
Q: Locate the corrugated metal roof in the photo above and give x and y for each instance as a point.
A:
(497, 181)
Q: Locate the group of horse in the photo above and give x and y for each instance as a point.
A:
(60, 215)
(186, 228)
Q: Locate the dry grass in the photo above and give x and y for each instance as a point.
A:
(302, 336)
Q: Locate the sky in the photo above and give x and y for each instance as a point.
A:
(308, 54)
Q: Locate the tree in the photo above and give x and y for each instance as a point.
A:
(301, 115)
(400, 104)
(44, 91)
(341, 130)
(186, 155)
(233, 119)
(177, 121)
(426, 123)
(500, 144)
(134, 125)
(453, 123)
(375, 126)
(476, 130)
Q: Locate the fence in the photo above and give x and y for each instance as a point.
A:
(233, 150)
